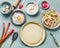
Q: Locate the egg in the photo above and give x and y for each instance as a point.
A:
(18, 18)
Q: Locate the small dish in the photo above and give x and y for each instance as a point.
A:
(18, 17)
(32, 34)
(5, 7)
(31, 8)
(51, 19)
(45, 5)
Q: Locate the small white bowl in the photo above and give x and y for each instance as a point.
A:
(34, 13)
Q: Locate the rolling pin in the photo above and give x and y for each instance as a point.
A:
(15, 4)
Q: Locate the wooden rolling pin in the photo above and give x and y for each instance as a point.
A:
(15, 4)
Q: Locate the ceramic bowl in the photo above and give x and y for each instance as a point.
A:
(3, 4)
(55, 26)
(45, 6)
(34, 13)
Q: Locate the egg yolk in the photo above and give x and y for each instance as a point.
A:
(18, 18)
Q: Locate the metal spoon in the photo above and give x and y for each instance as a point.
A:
(37, 1)
(14, 37)
(54, 40)
(35, 5)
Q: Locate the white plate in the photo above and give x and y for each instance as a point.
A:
(32, 34)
